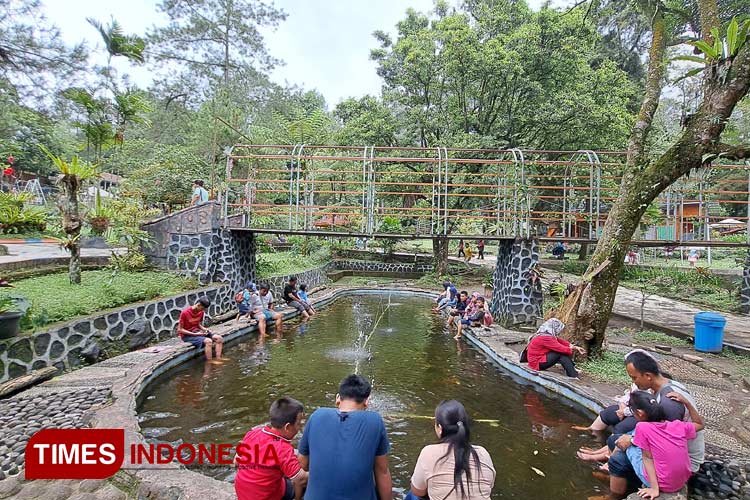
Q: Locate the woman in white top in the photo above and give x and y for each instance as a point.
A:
(453, 469)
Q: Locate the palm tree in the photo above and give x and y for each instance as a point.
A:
(118, 43)
(73, 175)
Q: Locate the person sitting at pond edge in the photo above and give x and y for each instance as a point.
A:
(271, 475)
(293, 300)
(190, 328)
(473, 317)
(617, 416)
(266, 298)
(454, 469)
(646, 374)
(657, 455)
(302, 294)
(460, 309)
(345, 449)
(200, 195)
(547, 349)
(243, 307)
(447, 297)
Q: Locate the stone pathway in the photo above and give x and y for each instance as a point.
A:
(666, 314)
(22, 252)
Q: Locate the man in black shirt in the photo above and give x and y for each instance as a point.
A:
(292, 299)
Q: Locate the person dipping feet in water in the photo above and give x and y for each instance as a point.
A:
(657, 456)
(265, 474)
(472, 317)
(547, 349)
(190, 328)
(345, 449)
(454, 469)
(293, 300)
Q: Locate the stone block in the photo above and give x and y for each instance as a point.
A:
(692, 358)
(140, 334)
(56, 350)
(21, 350)
(41, 343)
(91, 352)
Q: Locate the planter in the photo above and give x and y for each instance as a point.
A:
(10, 324)
(99, 224)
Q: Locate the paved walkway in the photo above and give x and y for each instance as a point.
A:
(20, 252)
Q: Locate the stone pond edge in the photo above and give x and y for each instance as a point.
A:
(129, 388)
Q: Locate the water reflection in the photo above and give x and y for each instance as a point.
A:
(413, 363)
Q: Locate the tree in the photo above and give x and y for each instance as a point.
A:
(726, 80)
(219, 40)
(32, 53)
(117, 43)
(74, 174)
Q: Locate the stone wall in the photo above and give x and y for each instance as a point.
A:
(745, 287)
(312, 277)
(515, 300)
(381, 267)
(90, 338)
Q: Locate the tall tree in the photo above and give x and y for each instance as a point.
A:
(218, 39)
(726, 80)
(32, 53)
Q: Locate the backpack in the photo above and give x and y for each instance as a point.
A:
(239, 297)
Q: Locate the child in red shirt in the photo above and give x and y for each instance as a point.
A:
(267, 467)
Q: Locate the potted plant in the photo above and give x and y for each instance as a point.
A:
(99, 218)
(10, 317)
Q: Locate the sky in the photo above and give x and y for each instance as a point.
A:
(325, 44)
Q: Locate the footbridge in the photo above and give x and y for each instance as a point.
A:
(496, 194)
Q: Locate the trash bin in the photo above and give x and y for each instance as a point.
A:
(709, 331)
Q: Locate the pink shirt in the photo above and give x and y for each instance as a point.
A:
(667, 442)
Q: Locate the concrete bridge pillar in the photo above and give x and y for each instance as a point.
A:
(194, 242)
(516, 297)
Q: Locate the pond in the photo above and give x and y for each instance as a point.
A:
(413, 363)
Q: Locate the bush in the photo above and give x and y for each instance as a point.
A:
(16, 217)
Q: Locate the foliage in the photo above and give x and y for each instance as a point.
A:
(117, 42)
(16, 217)
(53, 298)
(161, 174)
(610, 367)
(286, 263)
(659, 338)
(77, 168)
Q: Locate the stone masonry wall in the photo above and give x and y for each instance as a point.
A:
(515, 300)
(65, 346)
(745, 288)
(381, 267)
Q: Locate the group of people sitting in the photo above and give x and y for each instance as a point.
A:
(343, 454)
(463, 309)
(657, 438)
(257, 303)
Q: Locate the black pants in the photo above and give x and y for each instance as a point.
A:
(481, 253)
(461, 253)
(555, 357)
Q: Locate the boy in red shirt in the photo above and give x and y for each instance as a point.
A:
(267, 468)
(190, 328)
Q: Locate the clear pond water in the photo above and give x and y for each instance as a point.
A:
(413, 363)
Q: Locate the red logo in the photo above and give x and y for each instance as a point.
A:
(75, 453)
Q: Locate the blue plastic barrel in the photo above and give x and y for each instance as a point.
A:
(709, 331)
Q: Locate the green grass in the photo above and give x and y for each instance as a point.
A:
(659, 338)
(54, 299)
(284, 263)
(741, 361)
(609, 368)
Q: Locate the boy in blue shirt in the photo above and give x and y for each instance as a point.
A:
(345, 449)
(302, 294)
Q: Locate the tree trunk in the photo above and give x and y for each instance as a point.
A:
(583, 252)
(587, 310)
(74, 266)
(71, 222)
(440, 255)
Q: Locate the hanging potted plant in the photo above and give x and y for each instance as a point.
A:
(99, 218)
(10, 317)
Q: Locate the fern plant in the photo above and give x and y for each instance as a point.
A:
(725, 48)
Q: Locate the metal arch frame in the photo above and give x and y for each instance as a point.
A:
(371, 193)
(436, 192)
(229, 166)
(595, 185)
(520, 161)
(365, 212)
(291, 182)
(445, 200)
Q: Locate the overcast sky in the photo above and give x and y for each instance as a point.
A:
(325, 44)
